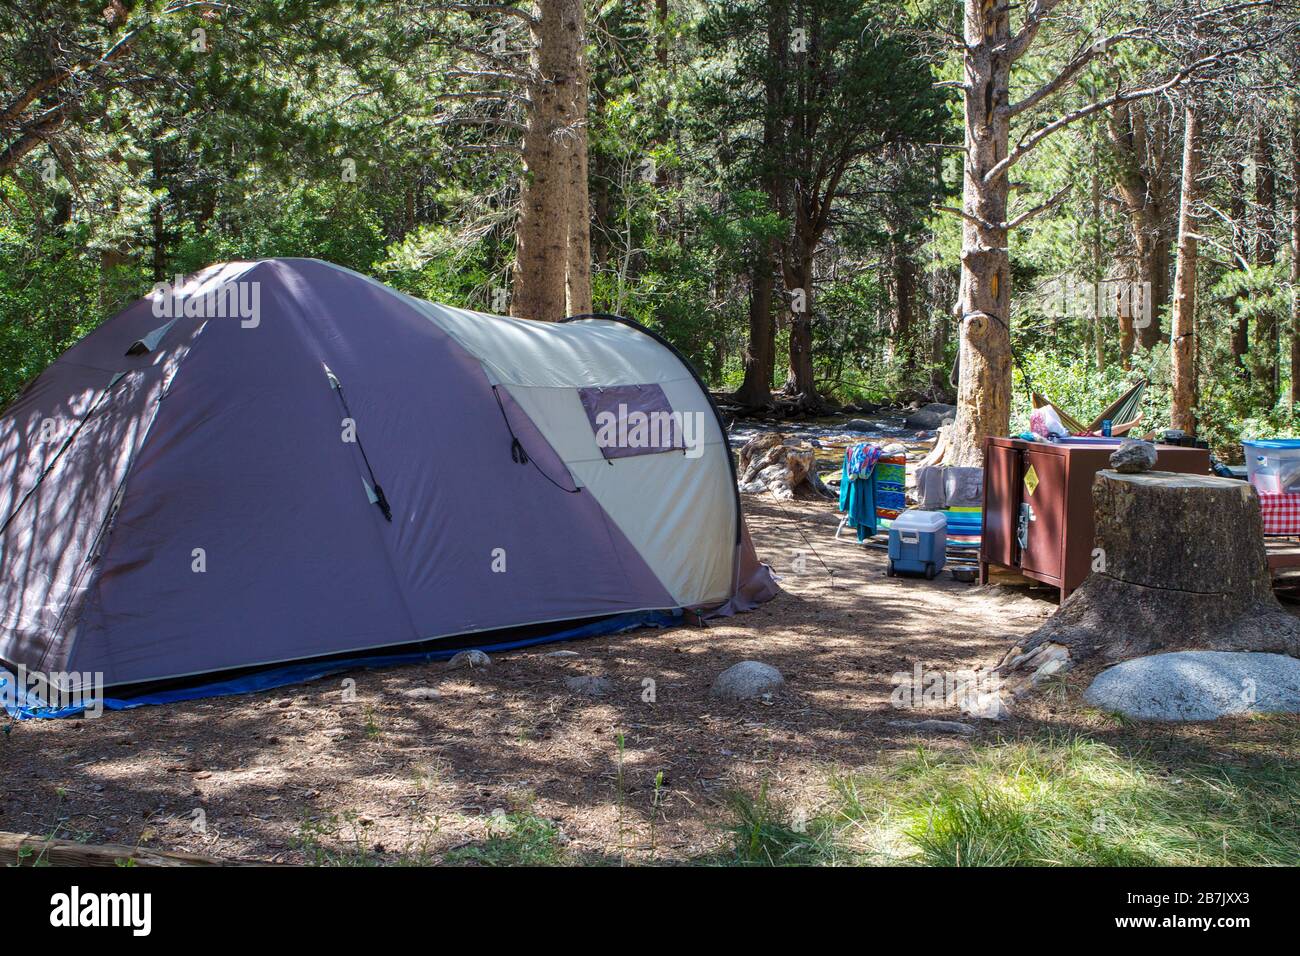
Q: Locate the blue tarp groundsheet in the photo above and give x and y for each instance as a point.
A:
(20, 704)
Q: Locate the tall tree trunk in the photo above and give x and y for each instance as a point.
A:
(1153, 270)
(1127, 339)
(904, 308)
(543, 230)
(1184, 315)
(1266, 328)
(1295, 256)
(939, 291)
(983, 301)
(939, 384)
(1240, 324)
(578, 280)
(799, 284)
(158, 219)
(760, 354)
(1142, 185)
(1098, 269)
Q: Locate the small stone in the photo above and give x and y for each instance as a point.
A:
(934, 726)
(589, 686)
(747, 680)
(1047, 669)
(561, 654)
(1133, 456)
(422, 693)
(470, 659)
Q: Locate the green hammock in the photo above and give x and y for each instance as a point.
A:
(1123, 413)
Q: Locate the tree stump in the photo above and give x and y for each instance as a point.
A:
(1180, 565)
(777, 463)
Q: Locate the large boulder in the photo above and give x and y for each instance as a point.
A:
(747, 680)
(931, 416)
(1198, 685)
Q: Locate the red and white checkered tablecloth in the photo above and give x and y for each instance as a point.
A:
(1281, 512)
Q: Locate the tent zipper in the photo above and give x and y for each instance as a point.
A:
(380, 499)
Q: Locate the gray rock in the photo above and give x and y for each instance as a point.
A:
(857, 425)
(561, 654)
(1133, 456)
(470, 659)
(588, 686)
(747, 680)
(1198, 685)
(421, 693)
(931, 416)
(934, 726)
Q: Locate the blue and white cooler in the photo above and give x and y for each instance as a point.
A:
(917, 543)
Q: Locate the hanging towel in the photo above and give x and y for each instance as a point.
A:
(858, 488)
(858, 501)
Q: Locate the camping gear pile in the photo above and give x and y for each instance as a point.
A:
(1273, 467)
(873, 499)
(348, 468)
(958, 492)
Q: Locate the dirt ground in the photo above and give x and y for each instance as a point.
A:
(297, 774)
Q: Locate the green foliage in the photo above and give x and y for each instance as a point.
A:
(765, 834)
(517, 839)
(709, 135)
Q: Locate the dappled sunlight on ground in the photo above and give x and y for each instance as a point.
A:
(384, 777)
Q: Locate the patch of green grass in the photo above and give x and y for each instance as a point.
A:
(372, 729)
(1067, 802)
(334, 841)
(766, 833)
(518, 839)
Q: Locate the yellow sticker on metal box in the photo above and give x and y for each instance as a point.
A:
(1031, 480)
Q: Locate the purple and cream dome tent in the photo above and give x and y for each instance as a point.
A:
(283, 461)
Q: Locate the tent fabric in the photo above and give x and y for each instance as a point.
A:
(210, 514)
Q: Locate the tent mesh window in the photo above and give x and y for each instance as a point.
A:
(630, 420)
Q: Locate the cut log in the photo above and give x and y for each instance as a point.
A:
(1179, 565)
(779, 464)
(27, 849)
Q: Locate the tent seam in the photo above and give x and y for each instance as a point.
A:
(104, 537)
